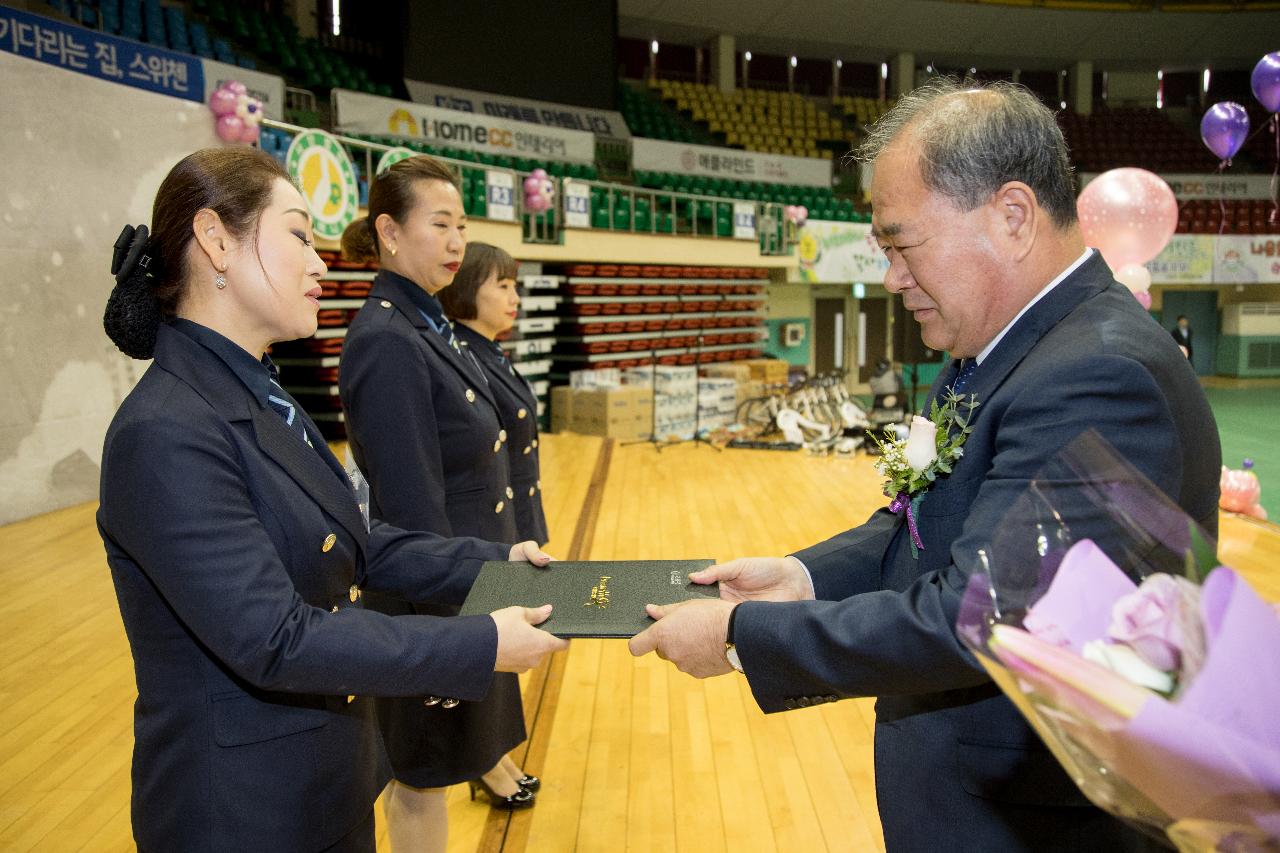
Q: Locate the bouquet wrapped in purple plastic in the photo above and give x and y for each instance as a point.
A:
(1152, 674)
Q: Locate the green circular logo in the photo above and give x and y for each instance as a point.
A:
(323, 172)
(390, 158)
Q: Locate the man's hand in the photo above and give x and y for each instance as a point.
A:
(759, 579)
(689, 634)
(529, 552)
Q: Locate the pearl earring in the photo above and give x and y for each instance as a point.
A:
(220, 281)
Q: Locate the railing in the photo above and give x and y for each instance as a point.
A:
(688, 212)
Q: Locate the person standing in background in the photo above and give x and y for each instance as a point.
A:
(483, 302)
(1182, 334)
(425, 429)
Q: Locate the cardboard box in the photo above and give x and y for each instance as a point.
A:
(624, 413)
(735, 370)
(768, 370)
(561, 408)
(603, 377)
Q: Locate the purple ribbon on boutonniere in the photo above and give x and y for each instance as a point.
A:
(904, 503)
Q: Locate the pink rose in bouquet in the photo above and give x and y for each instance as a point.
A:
(1160, 621)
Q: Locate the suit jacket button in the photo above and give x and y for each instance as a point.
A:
(334, 609)
(354, 593)
(497, 445)
(385, 304)
(502, 435)
(431, 701)
(539, 484)
(532, 490)
(327, 545)
(522, 414)
(499, 507)
(510, 494)
(789, 705)
(528, 448)
(471, 396)
(803, 702)
(350, 699)
(535, 442)
(833, 698)
(449, 703)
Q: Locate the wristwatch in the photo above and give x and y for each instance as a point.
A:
(730, 651)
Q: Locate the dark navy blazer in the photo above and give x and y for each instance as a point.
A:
(239, 557)
(956, 766)
(518, 408)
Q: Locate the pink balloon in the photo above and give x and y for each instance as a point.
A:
(536, 203)
(223, 102)
(531, 184)
(235, 86)
(1144, 298)
(1241, 492)
(229, 128)
(1127, 214)
(540, 174)
(250, 133)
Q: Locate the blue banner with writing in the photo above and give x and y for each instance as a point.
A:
(100, 55)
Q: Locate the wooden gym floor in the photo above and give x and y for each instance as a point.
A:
(633, 754)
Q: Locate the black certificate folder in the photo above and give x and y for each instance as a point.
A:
(602, 598)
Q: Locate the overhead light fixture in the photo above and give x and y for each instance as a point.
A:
(653, 47)
(337, 17)
(747, 56)
(1205, 81)
(884, 71)
(793, 62)
(839, 63)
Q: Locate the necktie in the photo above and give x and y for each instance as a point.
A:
(966, 373)
(287, 408)
(434, 315)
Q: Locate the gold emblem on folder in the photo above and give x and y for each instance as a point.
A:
(600, 593)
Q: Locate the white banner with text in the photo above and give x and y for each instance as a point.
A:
(356, 112)
(655, 155)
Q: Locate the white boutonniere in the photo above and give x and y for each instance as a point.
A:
(931, 449)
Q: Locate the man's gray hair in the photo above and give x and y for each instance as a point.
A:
(975, 137)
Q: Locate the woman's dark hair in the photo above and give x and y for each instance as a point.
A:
(235, 183)
(480, 261)
(392, 193)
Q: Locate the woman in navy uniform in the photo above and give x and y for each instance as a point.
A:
(239, 554)
(483, 302)
(425, 429)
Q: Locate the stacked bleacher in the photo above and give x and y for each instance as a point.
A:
(1241, 216)
(647, 116)
(859, 111)
(757, 120)
(1146, 138)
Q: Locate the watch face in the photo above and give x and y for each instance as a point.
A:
(732, 654)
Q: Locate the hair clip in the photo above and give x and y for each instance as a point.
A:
(129, 251)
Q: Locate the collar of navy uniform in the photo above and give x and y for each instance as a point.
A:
(428, 306)
(257, 375)
(1061, 277)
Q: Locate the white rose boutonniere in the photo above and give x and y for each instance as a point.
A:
(932, 447)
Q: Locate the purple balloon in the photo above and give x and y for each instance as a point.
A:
(1266, 81)
(1224, 128)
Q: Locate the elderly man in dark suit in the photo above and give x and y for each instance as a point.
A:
(974, 207)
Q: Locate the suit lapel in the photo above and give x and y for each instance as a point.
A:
(313, 468)
(496, 366)
(459, 362)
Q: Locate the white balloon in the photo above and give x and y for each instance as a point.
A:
(1136, 277)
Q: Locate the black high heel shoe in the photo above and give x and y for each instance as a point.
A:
(521, 799)
(529, 783)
